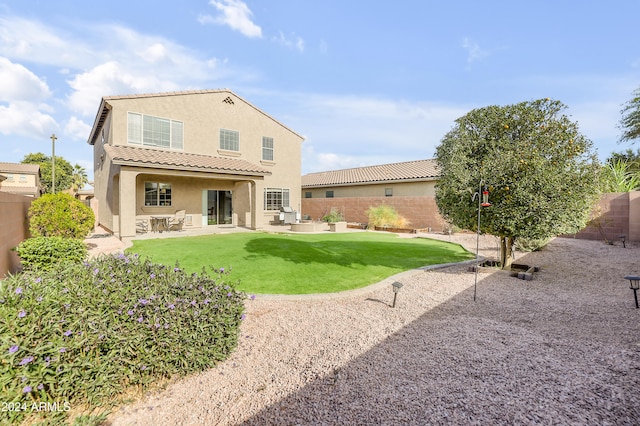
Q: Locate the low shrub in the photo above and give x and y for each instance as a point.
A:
(531, 244)
(60, 215)
(79, 335)
(333, 216)
(385, 216)
(44, 252)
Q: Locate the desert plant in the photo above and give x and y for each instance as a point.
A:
(385, 215)
(531, 244)
(44, 252)
(60, 215)
(333, 216)
(83, 334)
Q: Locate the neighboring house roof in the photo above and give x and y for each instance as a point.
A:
(418, 170)
(175, 160)
(33, 169)
(104, 108)
(30, 190)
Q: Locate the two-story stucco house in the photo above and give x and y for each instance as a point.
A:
(208, 152)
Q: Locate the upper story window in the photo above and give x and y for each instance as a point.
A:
(9, 177)
(267, 148)
(148, 130)
(229, 140)
(307, 194)
(388, 192)
(23, 179)
(328, 194)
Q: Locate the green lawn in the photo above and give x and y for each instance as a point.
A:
(302, 263)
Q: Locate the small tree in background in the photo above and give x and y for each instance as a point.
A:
(60, 215)
(64, 171)
(630, 121)
(78, 179)
(542, 177)
(618, 176)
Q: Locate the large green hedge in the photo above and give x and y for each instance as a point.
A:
(60, 215)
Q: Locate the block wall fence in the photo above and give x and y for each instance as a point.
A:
(14, 228)
(616, 213)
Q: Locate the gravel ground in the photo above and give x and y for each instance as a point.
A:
(563, 348)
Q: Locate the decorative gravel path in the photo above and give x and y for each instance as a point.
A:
(562, 349)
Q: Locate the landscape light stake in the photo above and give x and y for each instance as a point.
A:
(482, 202)
(623, 238)
(396, 288)
(634, 284)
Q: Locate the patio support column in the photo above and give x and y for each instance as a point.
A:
(256, 205)
(127, 201)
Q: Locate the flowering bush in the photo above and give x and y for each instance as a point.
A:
(78, 335)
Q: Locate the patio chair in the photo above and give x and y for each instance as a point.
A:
(176, 222)
(142, 226)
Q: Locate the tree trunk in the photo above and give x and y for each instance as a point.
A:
(506, 251)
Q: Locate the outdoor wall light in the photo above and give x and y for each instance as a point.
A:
(634, 284)
(396, 288)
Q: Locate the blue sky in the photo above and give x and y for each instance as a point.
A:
(364, 82)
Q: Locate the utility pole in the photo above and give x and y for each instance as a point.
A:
(53, 163)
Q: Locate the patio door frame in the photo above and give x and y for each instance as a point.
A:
(218, 205)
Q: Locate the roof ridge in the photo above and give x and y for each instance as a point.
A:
(373, 165)
(172, 93)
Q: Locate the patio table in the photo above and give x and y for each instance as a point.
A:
(160, 223)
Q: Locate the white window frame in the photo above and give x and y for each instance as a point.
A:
(229, 140)
(160, 201)
(267, 148)
(274, 198)
(149, 130)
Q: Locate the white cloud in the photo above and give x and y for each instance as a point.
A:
(110, 79)
(17, 83)
(33, 41)
(351, 131)
(25, 119)
(294, 42)
(235, 14)
(77, 129)
(474, 52)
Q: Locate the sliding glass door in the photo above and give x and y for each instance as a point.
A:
(216, 207)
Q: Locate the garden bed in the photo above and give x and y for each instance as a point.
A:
(518, 270)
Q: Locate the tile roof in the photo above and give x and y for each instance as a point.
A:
(405, 171)
(21, 189)
(157, 158)
(19, 168)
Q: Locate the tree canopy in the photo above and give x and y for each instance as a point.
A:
(630, 121)
(64, 171)
(540, 171)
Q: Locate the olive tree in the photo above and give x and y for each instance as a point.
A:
(541, 173)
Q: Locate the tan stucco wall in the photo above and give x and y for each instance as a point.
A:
(203, 115)
(405, 189)
(14, 211)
